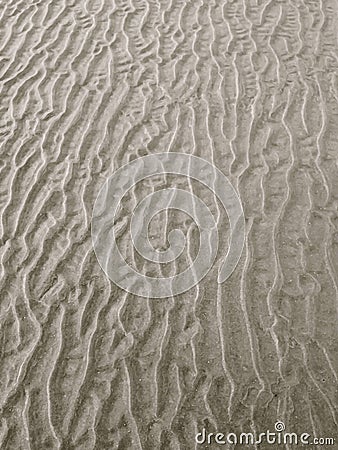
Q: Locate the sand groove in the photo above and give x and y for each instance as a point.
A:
(86, 86)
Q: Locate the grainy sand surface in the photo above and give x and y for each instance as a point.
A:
(89, 85)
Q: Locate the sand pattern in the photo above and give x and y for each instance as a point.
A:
(89, 85)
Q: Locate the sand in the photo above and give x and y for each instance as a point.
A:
(87, 86)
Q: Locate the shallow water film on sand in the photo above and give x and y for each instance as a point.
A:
(90, 361)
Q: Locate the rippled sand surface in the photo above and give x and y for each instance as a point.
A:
(89, 85)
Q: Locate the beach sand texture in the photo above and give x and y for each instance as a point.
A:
(89, 85)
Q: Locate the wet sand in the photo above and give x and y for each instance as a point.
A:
(87, 86)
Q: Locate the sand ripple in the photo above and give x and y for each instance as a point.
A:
(87, 86)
